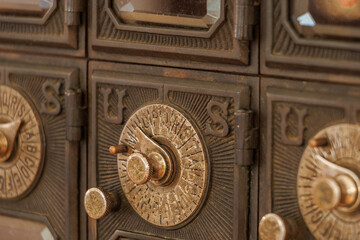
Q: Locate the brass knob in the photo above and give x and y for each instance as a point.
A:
(274, 227)
(139, 168)
(328, 193)
(99, 203)
(148, 160)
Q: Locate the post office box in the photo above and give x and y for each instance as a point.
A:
(168, 158)
(43, 26)
(310, 151)
(212, 34)
(41, 132)
(314, 39)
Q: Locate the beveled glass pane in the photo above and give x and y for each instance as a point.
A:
(335, 12)
(16, 228)
(25, 7)
(191, 13)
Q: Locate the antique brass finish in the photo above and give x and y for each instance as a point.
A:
(338, 187)
(329, 193)
(274, 227)
(328, 182)
(99, 203)
(164, 173)
(21, 144)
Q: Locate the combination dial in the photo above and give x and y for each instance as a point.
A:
(162, 165)
(21, 144)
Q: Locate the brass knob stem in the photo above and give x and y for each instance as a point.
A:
(116, 149)
(274, 227)
(99, 203)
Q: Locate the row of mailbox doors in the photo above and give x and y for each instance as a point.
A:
(101, 150)
(217, 35)
(194, 155)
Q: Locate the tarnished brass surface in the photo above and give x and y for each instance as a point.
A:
(164, 174)
(272, 227)
(21, 150)
(139, 168)
(328, 181)
(99, 203)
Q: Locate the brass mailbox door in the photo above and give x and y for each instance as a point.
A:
(40, 145)
(168, 158)
(46, 26)
(316, 39)
(310, 151)
(205, 34)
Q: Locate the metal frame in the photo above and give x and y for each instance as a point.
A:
(165, 80)
(285, 53)
(295, 93)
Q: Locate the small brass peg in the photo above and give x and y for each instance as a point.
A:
(122, 148)
(318, 142)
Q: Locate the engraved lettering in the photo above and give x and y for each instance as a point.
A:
(29, 162)
(292, 140)
(109, 116)
(25, 172)
(21, 111)
(217, 119)
(31, 149)
(17, 180)
(318, 215)
(51, 91)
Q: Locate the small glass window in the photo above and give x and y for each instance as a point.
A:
(187, 13)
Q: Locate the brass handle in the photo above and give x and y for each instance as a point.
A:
(274, 227)
(8, 133)
(149, 161)
(99, 203)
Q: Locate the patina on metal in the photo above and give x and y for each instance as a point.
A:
(21, 145)
(328, 182)
(274, 227)
(99, 203)
(164, 173)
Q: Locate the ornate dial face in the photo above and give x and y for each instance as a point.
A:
(21, 145)
(322, 170)
(174, 194)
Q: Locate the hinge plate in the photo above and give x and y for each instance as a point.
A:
(73, 9)
(245, 20)
(75, 114)
(246, 138)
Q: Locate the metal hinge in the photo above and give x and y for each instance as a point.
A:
(73, 10)
(246, 138)
(245, 19)
(75, 114)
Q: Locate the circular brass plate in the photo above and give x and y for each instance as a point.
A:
(19, 172)
(343, 150)
(177, 202)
